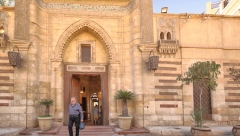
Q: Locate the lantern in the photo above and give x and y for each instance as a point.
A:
(153, 62)
(14, 58)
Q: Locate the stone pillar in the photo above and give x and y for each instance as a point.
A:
(149, 111)
(57, 88)
(113, 87)
(25, 86)
(146, 21)
(21, 19)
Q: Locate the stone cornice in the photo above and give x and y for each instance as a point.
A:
(21, 44)
(92, 2)
(81, 7)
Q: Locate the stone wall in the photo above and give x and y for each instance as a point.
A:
(201, 39)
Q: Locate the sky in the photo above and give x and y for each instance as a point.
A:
(181, 6)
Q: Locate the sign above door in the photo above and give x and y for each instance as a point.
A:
(78, 68)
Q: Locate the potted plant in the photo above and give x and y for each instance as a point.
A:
(204, 74)
(45, 121)
(235, 73)
(124, 120)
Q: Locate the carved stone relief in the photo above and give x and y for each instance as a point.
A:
(167, 45)
(147, 21)
(83, 9)
(165, 26)
(103, 36)
(78, 68)
(21, 19)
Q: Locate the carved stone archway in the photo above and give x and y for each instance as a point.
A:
(76, 27)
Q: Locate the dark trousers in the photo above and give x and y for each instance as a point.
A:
(73, 119)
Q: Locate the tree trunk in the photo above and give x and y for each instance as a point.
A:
(47, 110)
(124, 108)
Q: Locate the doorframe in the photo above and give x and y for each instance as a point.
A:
(104, 90)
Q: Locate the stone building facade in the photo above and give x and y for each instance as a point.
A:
(120, 34)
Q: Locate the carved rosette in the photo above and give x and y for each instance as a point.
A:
(168, 46)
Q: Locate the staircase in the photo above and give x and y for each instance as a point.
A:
(6, 81)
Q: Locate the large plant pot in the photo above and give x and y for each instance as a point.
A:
(124, 122)
(45, 123)
(236, 130)
(201, 131)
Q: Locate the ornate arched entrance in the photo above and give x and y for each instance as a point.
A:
(67, 71)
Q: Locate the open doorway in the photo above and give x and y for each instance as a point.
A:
(88, 92)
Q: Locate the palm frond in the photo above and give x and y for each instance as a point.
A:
(46, 102)
(124, 95)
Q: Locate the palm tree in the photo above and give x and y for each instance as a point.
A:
(124, 96)
(47, 103)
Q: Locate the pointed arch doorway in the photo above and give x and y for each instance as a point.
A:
(73, 75)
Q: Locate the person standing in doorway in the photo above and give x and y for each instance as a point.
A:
(75, 115)
(95, 113)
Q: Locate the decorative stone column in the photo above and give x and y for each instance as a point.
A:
(147, 95)
(24, 86)
(57, 88)
(113, 87)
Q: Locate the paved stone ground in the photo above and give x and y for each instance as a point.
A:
(185, 130)
(10, 131)
(155, 131)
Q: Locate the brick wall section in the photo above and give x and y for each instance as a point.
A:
(167, 69)
(231, 87)
(6, 81)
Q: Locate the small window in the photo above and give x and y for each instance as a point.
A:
(169, 37)
(86, 53)
(162, 36)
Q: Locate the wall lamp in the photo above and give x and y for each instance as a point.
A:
(164, 10)
(153, 61)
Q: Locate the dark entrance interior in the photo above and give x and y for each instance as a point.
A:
(89, 90)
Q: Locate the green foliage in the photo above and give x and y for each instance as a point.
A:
(196, 117)
(235, 73)
(197, 73)
(46, 102)
(201, 70)
(3, 2)
(124, 95)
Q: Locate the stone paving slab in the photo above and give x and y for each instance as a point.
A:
(154, 131)
(10, 131)
(185, 130)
